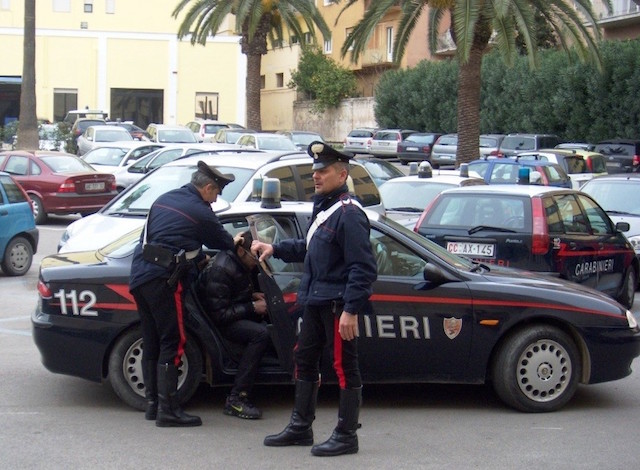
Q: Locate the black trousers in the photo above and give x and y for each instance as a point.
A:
(320, 328)
(161, 317)
(256, 339)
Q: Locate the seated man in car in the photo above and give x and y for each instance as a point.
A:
(226, 290)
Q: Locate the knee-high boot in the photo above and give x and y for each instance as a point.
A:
(150, 378)
(299, 432)
(169, 412)
(344, 439)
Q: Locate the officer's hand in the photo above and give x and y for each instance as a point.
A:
(257, 296)
(348, 326)
(238, 239)
(264, 250)
(260, 306)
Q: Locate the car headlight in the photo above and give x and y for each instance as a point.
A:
(631, 319)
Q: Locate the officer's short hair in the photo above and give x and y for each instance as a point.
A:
(200, 180)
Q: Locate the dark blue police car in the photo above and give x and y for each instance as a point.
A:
(436, 317)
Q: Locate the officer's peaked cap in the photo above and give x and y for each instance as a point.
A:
(221, 179)
(325, 155)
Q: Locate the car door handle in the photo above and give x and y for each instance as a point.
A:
(4, 212)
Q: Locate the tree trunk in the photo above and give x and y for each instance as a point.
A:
(469, 80)
(28, 121)
(254, 120)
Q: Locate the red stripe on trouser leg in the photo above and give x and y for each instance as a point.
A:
(177, 296)
(337, 354)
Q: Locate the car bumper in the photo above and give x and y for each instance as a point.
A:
(413, 157)
(73, 203)
(612, 353)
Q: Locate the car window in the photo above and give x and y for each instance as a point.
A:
(479, 167)
(17, 165)
(598, 220)
(270, 229)
(448, 140)
(576, 165)
(504, 173)
(415, 194)
(288, 187)
(105, 156)
(488, 142)
(615, 149)
(570, 213)
(554, 173)
(360, 133)
(35, 169)
(518, 143)
(386, 136)
(394, 259)
(65, 163)
(14, 193)
(421, 139)
(165, 157)
(597, 163)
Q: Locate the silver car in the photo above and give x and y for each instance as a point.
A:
(96, 135)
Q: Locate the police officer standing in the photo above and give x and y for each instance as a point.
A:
(179, 223)
(339, 269)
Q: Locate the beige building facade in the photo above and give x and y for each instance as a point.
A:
(123, 57)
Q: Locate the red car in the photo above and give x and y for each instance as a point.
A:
(58, 183)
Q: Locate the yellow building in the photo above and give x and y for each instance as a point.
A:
(123, 57)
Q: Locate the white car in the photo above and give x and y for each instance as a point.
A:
(266, 141)
(96, 135)
(129, 209)
(130, 174)
(573, 162)
(110, 157)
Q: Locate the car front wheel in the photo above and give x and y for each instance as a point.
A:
(125, 370)
(537, 369)
(17, 257)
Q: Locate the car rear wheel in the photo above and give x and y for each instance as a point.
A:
(38, 209)
(17, 257)
(628, 288)
(125, 370)
(537, 369)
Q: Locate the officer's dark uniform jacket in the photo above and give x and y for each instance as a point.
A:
(225, 289)
(343, 271)
(179, 219)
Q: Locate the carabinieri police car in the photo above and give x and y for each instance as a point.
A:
(436, 317)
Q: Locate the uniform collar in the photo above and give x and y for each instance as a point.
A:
(322, 201)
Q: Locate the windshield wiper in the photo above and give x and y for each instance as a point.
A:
(489, 228)
(135, 213)
(405, 209)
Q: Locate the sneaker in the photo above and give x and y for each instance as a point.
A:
(240, 406)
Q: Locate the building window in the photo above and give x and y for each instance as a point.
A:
(62, 6)
(110, 7)
(63, 100)
(207, 105)
(328, 45)
(262, 82)
(277, 43)
(279, 80)
(5, 5)
(294, 40)
(140, 105)
(347, 33)
(308, 38)
(88, 6)
(389, 44)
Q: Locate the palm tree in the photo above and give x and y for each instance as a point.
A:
(27, 120)
(256, 20)
(473, 24)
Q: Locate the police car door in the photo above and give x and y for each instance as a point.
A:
(613, 253)
(279, 282)
(416, 330)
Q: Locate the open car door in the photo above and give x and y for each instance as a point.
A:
(267, 230)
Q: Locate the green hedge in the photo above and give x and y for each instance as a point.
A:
(562, 96)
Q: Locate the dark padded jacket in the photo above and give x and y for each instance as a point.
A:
(225, 288)
(339, 263)
(179, 219)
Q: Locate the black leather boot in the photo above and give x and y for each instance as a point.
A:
(298, 432)
(344, 439)
(169, 412)
(150, 377)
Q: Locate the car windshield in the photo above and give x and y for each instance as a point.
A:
(276, 143)
(111, 135)
(448, 140)
(381, 170)
(361, 134)
(138, 198)
(618, 196)
(176, 135)
(305, 139)
(420, 139)
(65, 164)
(488, 142)
(518, 143)
(410, 196)
(576, 165)
(111, 156)
(123, 246)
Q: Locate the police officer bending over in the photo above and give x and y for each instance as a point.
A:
(226, 290)
(179, 223)
(339, 269)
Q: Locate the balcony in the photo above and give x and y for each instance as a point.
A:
(625, 12)
(377, 58)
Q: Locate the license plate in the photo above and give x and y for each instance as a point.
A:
(94, 186)
(445, 157)
(412, 149)
(483, 250)
(615, 164)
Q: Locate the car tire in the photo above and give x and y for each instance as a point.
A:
(38, 209)
(18, 257)
(537, 369)
(628, 287)
(125, 370)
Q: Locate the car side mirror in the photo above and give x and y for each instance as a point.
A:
(435, 275)
(623, 226)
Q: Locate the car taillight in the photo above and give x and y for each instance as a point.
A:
(113, 185)
(426, 148)
(540, 234)
(44, 290)
(496, 153)
(590, 165)
(636, 160)
(67, 187)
